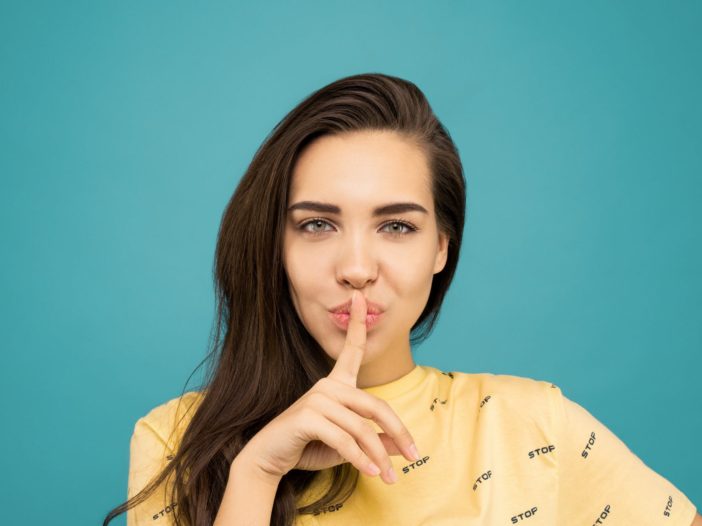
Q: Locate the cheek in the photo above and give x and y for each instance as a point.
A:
(410, 279)
(305, 285)
(410, 273)
(304, 276)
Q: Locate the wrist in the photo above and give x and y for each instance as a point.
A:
(244, 467)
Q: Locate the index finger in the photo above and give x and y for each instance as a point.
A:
(349, 361)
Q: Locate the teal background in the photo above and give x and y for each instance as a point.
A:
(127, 125)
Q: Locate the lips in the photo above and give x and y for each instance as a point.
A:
(345, 308)
(341, 320)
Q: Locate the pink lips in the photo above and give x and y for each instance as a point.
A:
(371, 307)
(341, 319)
(340, 314)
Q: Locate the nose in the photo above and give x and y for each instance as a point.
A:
(356, 262)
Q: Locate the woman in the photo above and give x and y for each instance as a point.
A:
(334, 255)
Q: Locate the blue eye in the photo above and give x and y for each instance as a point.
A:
(312, 222)
(402, 224)
(317, 221)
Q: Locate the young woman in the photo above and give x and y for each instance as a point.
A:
(333, 257)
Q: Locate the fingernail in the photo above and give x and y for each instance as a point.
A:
(414, 452)
(373, 469)
(392, 476)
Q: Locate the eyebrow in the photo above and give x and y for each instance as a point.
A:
(388, 209)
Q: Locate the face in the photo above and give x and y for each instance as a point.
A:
(389, 255)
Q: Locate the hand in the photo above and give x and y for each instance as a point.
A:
(326, 426)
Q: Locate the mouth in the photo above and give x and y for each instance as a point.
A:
(345, 308)
(341, 319)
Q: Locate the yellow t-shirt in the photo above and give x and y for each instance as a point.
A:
(496, 449)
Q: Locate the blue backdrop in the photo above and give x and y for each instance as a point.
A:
(127, 125)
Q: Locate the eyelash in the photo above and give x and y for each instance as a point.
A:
(407, 224)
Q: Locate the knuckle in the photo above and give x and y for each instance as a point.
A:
(362, 459)
(384, 406)
(377, 405)
(341, 377)
(357, 457)
(321, 384)
(307, 414)
(347, 442)
(382, 402)
(328, 385)
(364, 428)
(315, 398)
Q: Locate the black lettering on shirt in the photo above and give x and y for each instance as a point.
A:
(433, 404)
(603, 516)
(541, 451)
(165, 510)
(590, 443)
(669, 505)
(485, 476)
(415, 465)
(329, 509)
(524, 515)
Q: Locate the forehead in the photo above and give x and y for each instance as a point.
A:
(360, 168)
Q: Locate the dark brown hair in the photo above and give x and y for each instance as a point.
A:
(258, 338)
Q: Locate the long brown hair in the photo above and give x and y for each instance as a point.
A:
(258, 338)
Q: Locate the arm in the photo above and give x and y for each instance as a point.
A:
(697, 521)
(249, 495)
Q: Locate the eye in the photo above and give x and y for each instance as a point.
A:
(315, 222)
(402, 224)
(395, 222)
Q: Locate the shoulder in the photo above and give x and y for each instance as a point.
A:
(511, 395)
(504, 384)
(168, 421)
(179, 405)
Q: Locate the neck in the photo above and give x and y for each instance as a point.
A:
(387, 367)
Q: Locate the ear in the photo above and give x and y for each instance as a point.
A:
(442, 253)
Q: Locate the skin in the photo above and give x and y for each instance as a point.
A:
(388, 263)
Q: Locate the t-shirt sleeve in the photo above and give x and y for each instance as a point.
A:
(601, 481)
(148, 455)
